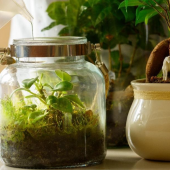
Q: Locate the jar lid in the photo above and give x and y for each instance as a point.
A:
(63, 46)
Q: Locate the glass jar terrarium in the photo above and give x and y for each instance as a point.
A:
(52, 105)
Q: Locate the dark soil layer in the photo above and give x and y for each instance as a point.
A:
(155, 79)
(54, 151)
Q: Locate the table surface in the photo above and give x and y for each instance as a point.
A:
(120, 159)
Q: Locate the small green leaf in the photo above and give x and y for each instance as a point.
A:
(63, 86)
(63, 105)
(53, 24)
(75, 99)
(51, 100)
(127, 3)
(103, 14)
(63, 75)
(93, 2)
(27, 83)
(32, 106)
(145, 14)
(47, 85)
(35, 116)
(150, 15)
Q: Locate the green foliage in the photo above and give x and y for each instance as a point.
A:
(63, 75)
(75, 99)
(56, 102)
(110, 23)
(148, 9)
(99, 20)
(29, 82)
(64, 105)
(63, 86)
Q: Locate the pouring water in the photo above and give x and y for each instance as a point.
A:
(10, 8)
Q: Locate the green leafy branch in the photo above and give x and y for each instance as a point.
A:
(149, 8)
(57, 100)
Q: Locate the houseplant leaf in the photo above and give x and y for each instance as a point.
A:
(53, 24)
(75, 99)
(127, 3)
(150, 15)
(63, 86)
(36, 116)
(27, 83)
(51, 100)
(63, 75)
(93, 2)
(63, 105)
(106, 11)
(144, 15)
(47, 85)
(56, 11)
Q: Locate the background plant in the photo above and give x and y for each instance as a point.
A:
(149, 8)
(102, 21)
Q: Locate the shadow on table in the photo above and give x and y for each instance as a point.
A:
(121, 163)
(151, 165)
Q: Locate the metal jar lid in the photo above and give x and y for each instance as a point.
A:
(51, 47)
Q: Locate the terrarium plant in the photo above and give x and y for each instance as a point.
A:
(46, 126)
(103, 21)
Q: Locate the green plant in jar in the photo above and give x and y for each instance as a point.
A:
(40, 129)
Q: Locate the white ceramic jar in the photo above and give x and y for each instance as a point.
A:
(148, 123)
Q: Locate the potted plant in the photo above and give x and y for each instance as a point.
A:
(146, 10)
(148, 118)
(102, 21)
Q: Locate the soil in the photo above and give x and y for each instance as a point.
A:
(46, 150)
(155, 79)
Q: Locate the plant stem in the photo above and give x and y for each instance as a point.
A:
(59, 94)
(121, 61)
(30, 93)
(159, 5)
(165, 10)
(110, 59)
(168, 5)
(165, 16)
(40, 90)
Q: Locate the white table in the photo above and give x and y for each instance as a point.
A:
(121, 159)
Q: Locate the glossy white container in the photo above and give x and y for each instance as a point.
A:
(148, 123)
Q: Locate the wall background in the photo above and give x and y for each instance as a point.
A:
(4, 38)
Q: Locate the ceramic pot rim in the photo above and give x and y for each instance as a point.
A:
(140, 84)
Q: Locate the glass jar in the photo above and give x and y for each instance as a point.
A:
(52, 105)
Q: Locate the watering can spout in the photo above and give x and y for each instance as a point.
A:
(10, 8)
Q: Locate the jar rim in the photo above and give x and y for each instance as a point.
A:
(63, 46)
(60, 40)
